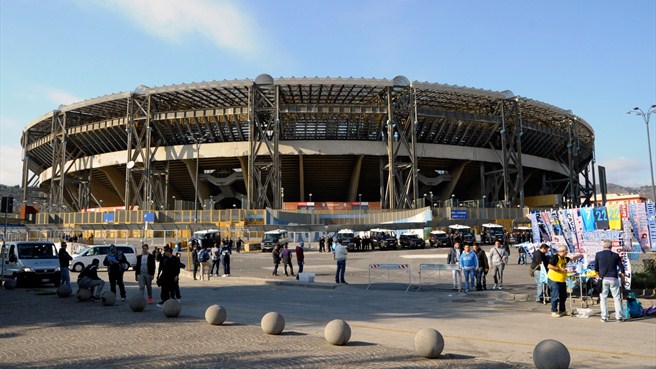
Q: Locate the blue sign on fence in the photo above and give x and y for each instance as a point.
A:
(459, 214)
(149, 217)
(108, 217)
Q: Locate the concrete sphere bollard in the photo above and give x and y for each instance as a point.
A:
(551, 354)
(10, 284)
(84, 294)
(137, 303)
(337, 332)
(171, 308)
(272, 323)
(429, 343)
(64, 290)
(108, 298)
(215, 315)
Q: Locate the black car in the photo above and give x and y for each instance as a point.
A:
(411, 241)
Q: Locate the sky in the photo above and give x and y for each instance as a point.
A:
(595, 58)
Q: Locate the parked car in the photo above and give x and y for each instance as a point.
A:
(32, 261)
(411, 240)
(439, 239)
(99, 252)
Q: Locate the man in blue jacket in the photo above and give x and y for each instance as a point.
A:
(609, 267)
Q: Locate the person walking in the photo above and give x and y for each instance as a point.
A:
(240, 244)
(116, 264)
(64, 262)
(540, 263)
(497, 262)
(194, 260)
(300, 258)
(286, 255)
(557, 277)
(322, 244)
(276, 259)
(215, 255)
(88, 278)
(175, 289)
(610, 268)
(341, 253)
(144, 272)
(453, 258)
(167, 275)
(204, 260)
(469, 265)
(225, 258)
(483, 267)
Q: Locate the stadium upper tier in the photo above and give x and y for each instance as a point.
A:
(328, 121)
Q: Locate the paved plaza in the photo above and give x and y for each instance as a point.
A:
(481, 330)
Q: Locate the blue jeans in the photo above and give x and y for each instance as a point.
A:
(65, 277)
(558, 291)
(469, 278)
(612, 286)
(540, 295)
(341, 269)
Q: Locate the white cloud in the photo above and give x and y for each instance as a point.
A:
(60, 97)
(627, 172)
(11, 165)
(218, 21)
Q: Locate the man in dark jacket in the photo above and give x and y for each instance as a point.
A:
(276, 259)
(286, 255)
(116, 264)
(88, 278)
(538, 264)
(300, 257)
(483, 267)
(609, 267)
(194, 260)
(144, 272)
(168, 274)
(64, 262)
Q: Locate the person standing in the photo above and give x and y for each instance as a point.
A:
(204, 259)
(540, 263)
(64, 262)
(240, 244)
(341, 253)
(144, 272)
(167, 275)
(453, 258)
(286, 255)
(225, 258)
(610, 268)
(469, 265)
(215, 255)
(194, 260)
(116, 264)
(300, 257)
(557, 277)
(322, 244)
(276, 259)
(483, 267)
(497, 261)
(88, 278)
(175, 290)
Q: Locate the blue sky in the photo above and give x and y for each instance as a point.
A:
(596, 58)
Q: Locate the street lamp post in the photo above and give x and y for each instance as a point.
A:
(310, 197)
(197, 141)
(645, 117)
(430, 194)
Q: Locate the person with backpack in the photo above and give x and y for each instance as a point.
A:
(204, 260)
(116, 264)
(216, 259)
(88, 278)
(497, 262)
(608, 265)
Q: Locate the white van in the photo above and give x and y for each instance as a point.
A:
(32, 261)
(273, 238)
(87, 254)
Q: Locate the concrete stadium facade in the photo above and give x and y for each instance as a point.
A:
(258, 143)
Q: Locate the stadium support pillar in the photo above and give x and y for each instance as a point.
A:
(301, 176)
(58, 177)
(579, 193)
(401, 191)
(264, 171)
(116, 180)
(511, 149)
(355, 178)
(455, 177)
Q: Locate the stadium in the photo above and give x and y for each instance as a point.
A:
(268, 142)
